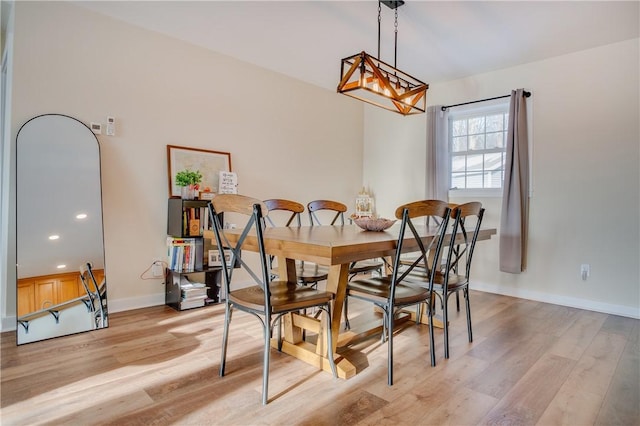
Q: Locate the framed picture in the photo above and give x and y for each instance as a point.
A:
(209, 163)
(215, 259)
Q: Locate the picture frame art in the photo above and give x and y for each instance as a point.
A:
(215, 258)
(209, 163)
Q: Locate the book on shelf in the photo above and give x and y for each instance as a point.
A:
(193, 294)
(186, 283)
(194, 221)
(185, 254)
(188, 304)
(192, 290)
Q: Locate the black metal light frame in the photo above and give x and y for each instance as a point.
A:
(372, 80)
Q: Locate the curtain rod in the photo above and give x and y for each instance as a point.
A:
(444, 108)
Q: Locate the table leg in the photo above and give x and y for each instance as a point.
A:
(293, 324)
(337, 284)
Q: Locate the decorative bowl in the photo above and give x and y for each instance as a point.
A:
(371, 224)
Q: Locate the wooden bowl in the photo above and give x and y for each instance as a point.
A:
(370, 224)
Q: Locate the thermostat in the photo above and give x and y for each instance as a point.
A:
(96, 128)
(111, 126)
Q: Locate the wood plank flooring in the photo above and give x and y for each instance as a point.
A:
(530, 363)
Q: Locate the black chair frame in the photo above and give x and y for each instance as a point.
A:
(266, 313)
(414, 290)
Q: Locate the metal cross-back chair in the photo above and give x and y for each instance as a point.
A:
(467, 219)
(339, 209)
(409, 258)
(267, 299)
(97, 300)
(402, 288)
(308, 273)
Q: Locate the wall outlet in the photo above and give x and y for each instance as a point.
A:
(585, 271)
(156, 269)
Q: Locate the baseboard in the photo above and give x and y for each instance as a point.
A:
(129, 303)
(9, 323)
(573, 302)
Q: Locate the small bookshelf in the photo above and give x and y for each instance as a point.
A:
(190, 283)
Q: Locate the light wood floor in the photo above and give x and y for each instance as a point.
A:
(530, 363)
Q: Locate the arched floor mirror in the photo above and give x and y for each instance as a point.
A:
(61, 280)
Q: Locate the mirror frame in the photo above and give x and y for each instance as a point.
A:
(92, 293)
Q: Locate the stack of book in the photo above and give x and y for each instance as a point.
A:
(185, 254)
(193, 295)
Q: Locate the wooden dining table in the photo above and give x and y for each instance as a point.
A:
(335, 247)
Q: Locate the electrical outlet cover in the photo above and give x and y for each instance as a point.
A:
(156, 269)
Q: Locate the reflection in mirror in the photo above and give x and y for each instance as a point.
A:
(61, 286)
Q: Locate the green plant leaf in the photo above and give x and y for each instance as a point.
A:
(187, 177)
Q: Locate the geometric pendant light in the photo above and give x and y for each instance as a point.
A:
(373, 81)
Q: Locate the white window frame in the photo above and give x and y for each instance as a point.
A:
(474, 110)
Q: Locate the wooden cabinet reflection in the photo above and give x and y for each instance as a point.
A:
(36, 293)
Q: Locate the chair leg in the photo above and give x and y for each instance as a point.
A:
(279, 333)
(432, 344)
(332, 361)
(225, 336)
(458, 301)
(390, 316)
(466, 297)
(445, 321)
(265, 366)
(345, 308)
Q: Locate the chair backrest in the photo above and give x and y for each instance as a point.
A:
(467, 220)
(253, 209)
(428, 255)
(294, 211)
(95, 293)
(278, 204)
(326, 205)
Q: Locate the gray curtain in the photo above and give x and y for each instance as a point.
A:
(437, 153)
(515, 195)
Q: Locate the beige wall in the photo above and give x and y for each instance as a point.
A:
(586, 159)
(286, 138)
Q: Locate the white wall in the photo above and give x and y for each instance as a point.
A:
(585, 206)
(286, 138)
(7, 174)
(394, 158)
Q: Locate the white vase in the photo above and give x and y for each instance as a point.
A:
(187, 192)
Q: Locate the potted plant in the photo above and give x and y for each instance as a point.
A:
(189, 181)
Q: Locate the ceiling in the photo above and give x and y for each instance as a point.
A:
(437, 40)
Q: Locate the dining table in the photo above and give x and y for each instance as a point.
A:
(335, 247)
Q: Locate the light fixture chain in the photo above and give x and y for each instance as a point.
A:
(395, 49)
(379, 20)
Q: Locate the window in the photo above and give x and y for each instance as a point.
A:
(477, 147)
